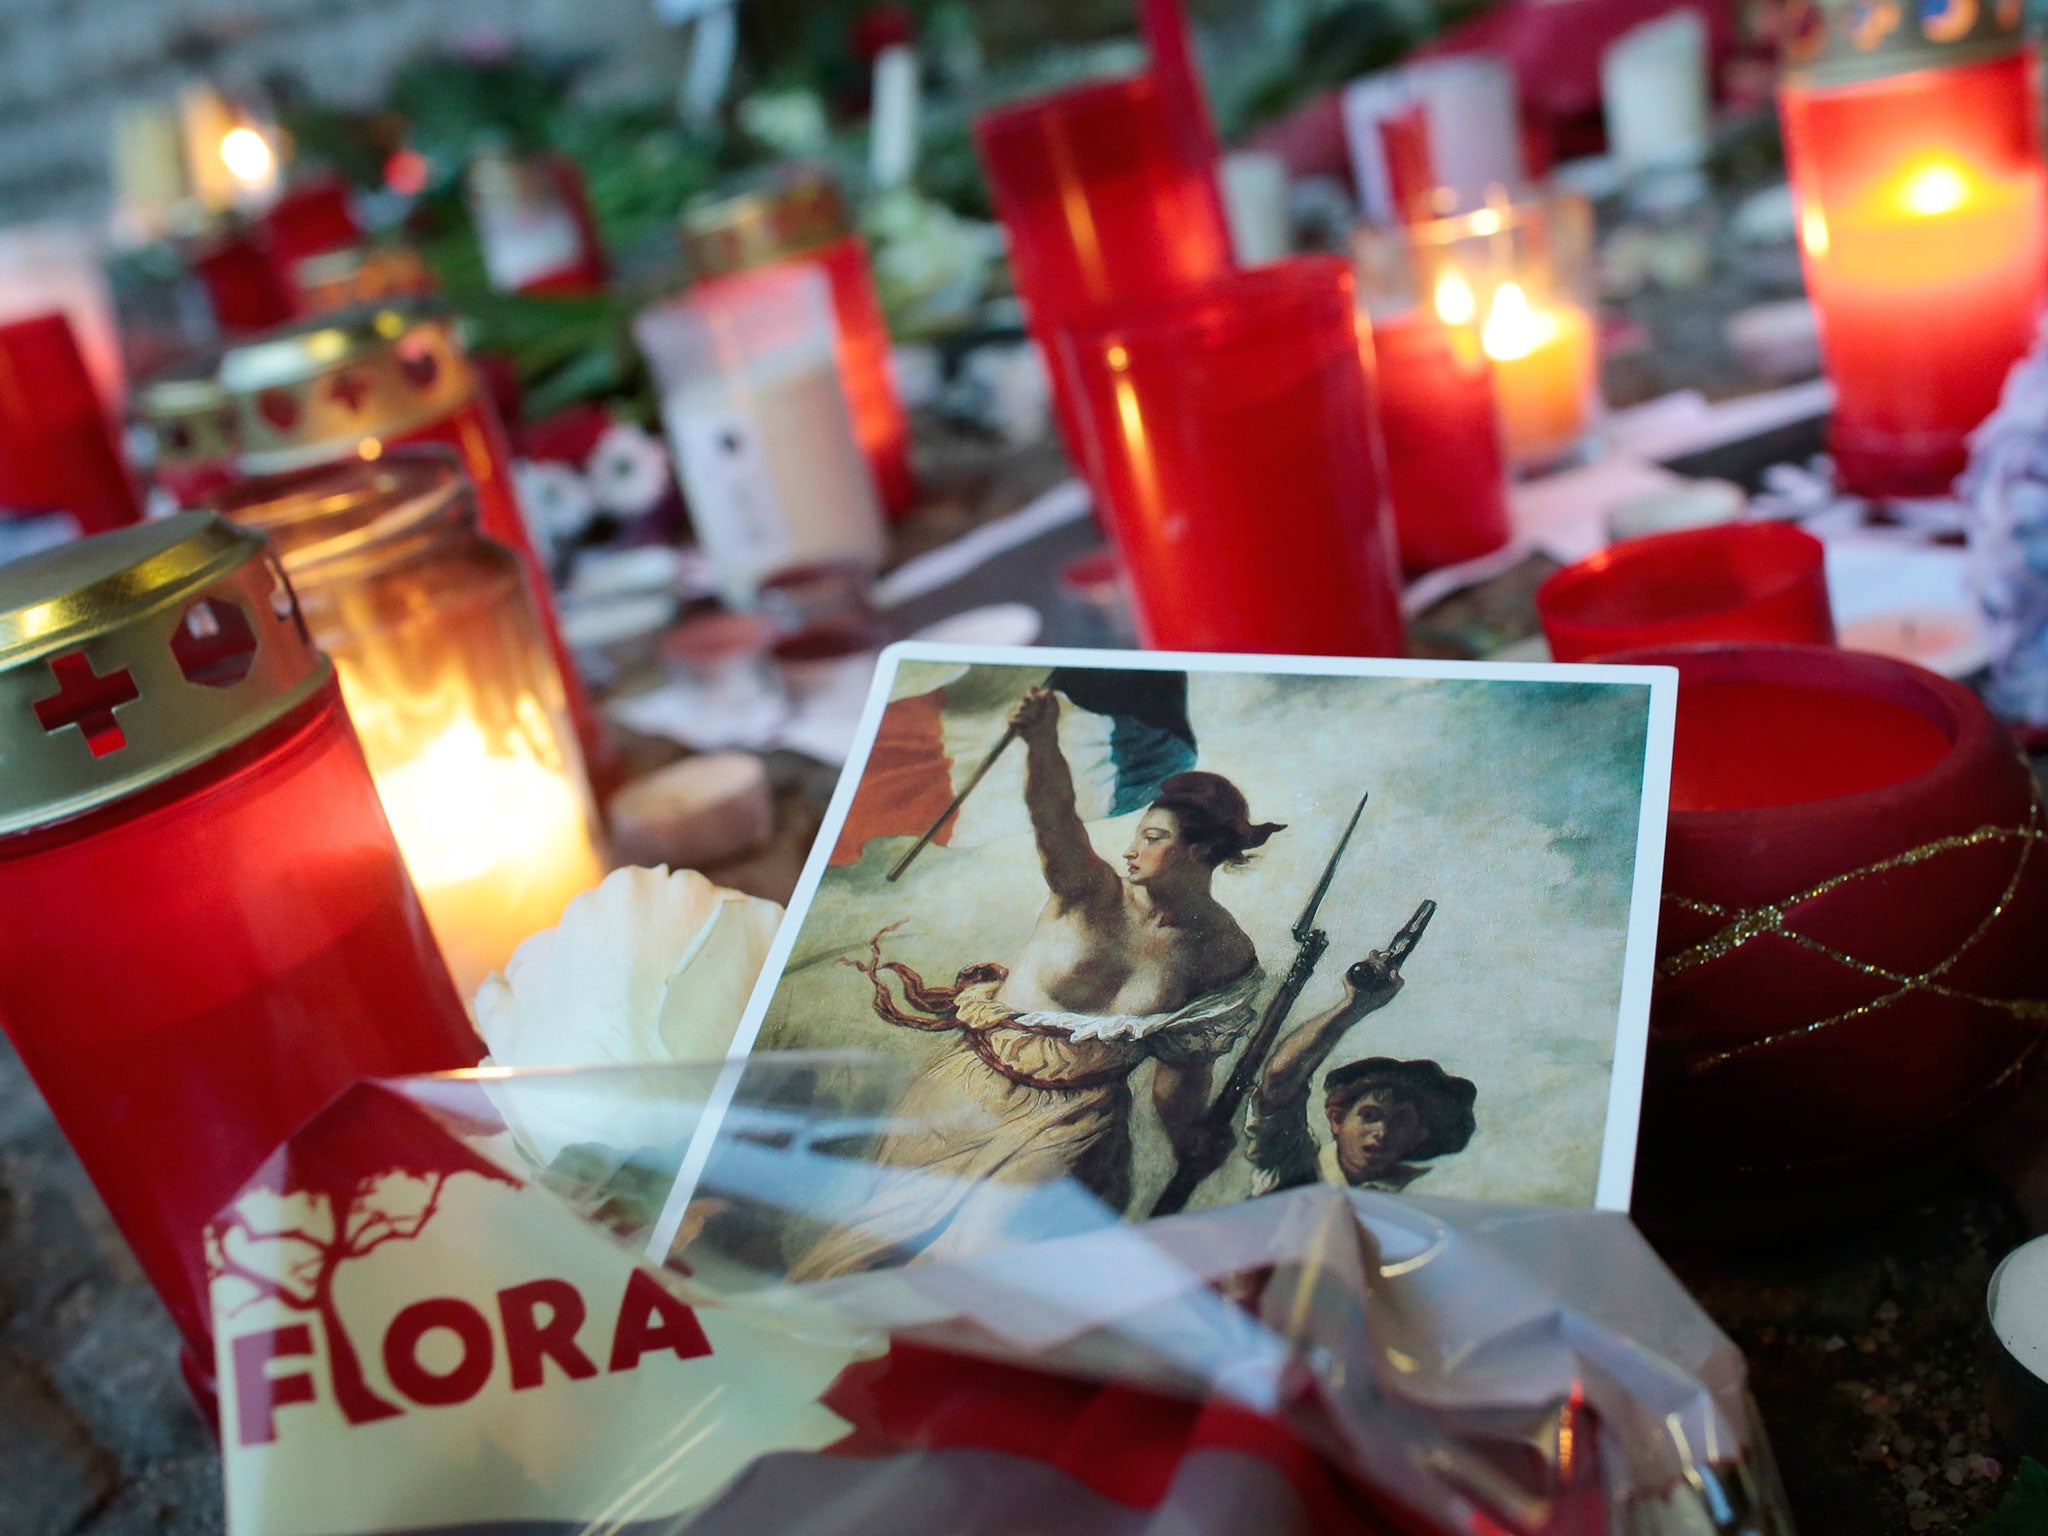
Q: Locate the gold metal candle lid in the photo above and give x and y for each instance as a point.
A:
(361, 274)
(1835, 42)
(127, 658)
(733, 234)
(320, 390)
(189, 414)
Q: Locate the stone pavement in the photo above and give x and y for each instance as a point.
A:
(97, 1434)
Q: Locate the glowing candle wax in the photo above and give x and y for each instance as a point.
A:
(496, 841)
(1544, 367)
(1923, 226)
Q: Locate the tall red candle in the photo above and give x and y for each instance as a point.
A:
(1851, 974)
(1230, 434)
(1916, 154)
(58, 450)
(1736, 581)
(1107, 202)
(209, 932)
(1446, 469)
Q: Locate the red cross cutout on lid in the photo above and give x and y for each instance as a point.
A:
(88, 701)
(350, 389)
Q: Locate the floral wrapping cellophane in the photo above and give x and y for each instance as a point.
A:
(418, 1328)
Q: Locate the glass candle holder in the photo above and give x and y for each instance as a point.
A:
(1850, 969)
(58, 449)
(358, 383)
(1733, 581)
(1914, 146)
(1439, 412)
(1521, 271)
(209, 932)
(1230, 435)
(806, 221)
(193, 426)
(452, 689)
(771, 467)
(1108, 200)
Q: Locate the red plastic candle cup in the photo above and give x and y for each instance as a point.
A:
(58, 450)
(1851, 971)
(209, 932)
(358, 383)
(1923, 201)
(1446, 468)
(1108, 201)
(312, 218)
(1736, 581)
(1230, 436)
(805, 220)
(247, 290)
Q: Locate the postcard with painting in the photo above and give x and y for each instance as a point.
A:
(1178, 930)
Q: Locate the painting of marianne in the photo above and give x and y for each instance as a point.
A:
(1178, 935)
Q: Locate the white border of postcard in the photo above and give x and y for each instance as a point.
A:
(1632, 1025)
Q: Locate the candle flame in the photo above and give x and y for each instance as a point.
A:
(1813, 233)
(1514, 328)
(1933, 190)
(248, 156)
(1455, 302)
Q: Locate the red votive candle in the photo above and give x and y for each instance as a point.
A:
(208, 930)
(1108, 200)
(1923, 207)
(58, 451)
(1230, 435)
(1736, 581)
(1850, 968)
(1446, 469)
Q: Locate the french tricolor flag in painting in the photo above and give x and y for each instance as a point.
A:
(1123, 735)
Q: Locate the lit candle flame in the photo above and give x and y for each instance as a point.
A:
(1813, 232)
(1513, 328)
(1455, 302)
(1933, 190)
(248, 157)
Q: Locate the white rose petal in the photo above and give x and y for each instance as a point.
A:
(649, 967)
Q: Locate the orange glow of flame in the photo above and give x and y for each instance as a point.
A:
(1455, 303)
(1934, 189)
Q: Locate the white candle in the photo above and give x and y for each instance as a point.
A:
(1653, 93)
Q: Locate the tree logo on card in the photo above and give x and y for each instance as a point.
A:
(371, 1171)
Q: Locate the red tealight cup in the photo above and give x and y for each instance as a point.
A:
(1851, 975)
(1108, 200)
(1446, 467)
(1230, 435)
(58, 451)
(1737, 581)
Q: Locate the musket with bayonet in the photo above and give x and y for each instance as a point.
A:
(1310, 942)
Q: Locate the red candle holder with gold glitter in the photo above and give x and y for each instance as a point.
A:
(1851, 978)
(208, 930)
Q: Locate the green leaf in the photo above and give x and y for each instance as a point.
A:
(2024, 1511)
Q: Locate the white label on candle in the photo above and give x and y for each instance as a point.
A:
(527, 242)
(733, 502)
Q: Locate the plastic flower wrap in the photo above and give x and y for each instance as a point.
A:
(648, 967)
(626, 1351)
(2006, 487)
